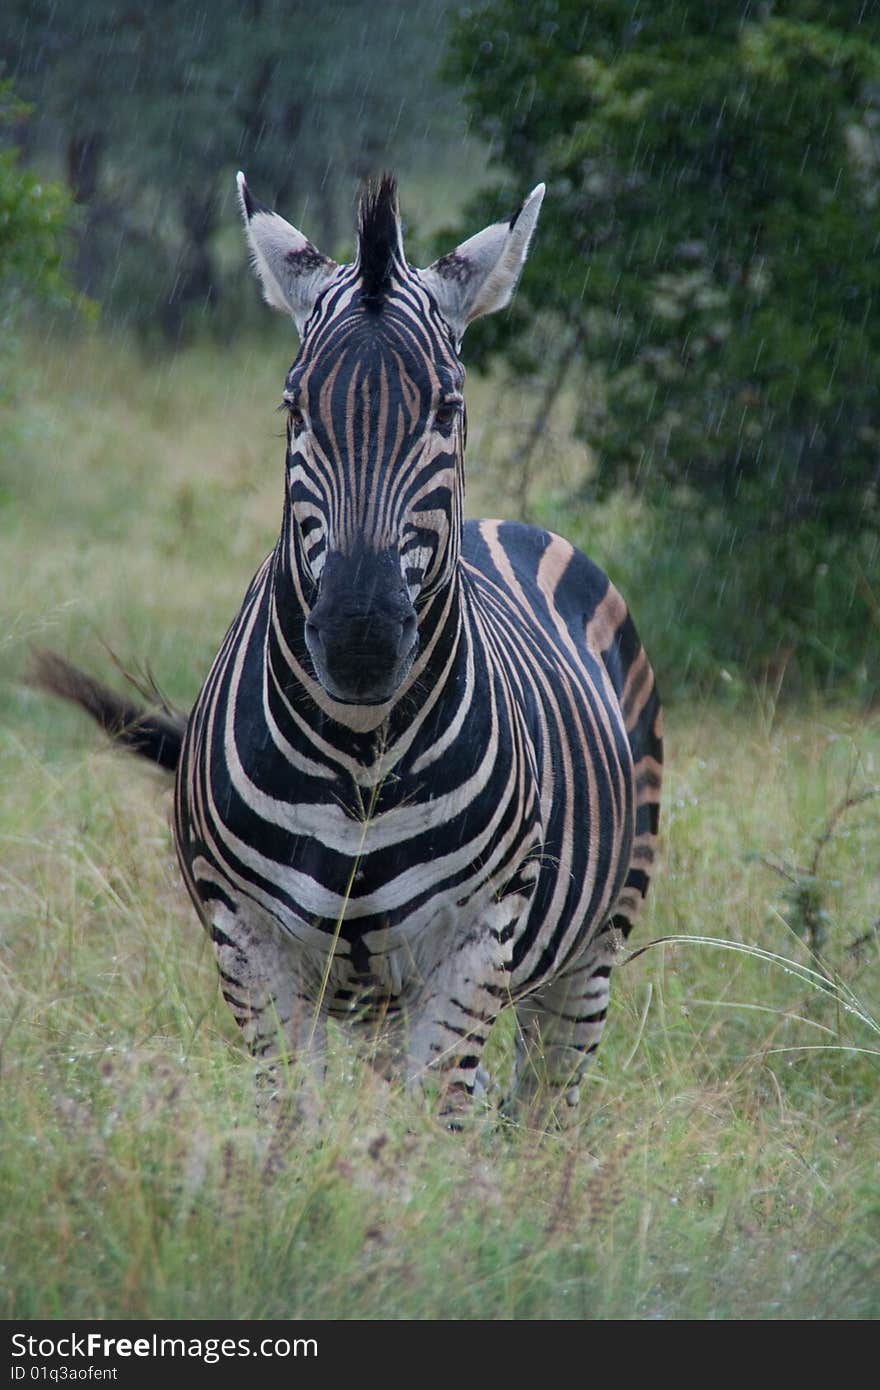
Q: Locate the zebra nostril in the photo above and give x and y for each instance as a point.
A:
(313, 633)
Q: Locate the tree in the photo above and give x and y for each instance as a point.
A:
(34, 217)
(710, 242)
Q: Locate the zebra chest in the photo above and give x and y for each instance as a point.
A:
(362, 906)
(341, 855)
(368, 965)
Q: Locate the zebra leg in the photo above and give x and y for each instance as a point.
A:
(261, 982)
(558, 1030)
(385, 1046)
(387, 1053)
(463, 991)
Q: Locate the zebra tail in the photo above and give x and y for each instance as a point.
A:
(156, 734)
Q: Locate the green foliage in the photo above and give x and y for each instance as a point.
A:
(710, 241)
(806, 888)
(34, 219)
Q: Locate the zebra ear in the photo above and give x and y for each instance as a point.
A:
(291, 270)
(480, 275)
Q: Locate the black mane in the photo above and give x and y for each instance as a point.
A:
(377, 237)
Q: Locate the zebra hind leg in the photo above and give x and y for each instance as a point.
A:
(558, 1030)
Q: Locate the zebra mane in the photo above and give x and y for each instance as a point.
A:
(378, 237)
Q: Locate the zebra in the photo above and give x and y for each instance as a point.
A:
(421, 782)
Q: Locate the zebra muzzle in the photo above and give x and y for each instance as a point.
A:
(362, 633)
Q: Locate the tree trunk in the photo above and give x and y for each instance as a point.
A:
(195, 282)
(84, 157)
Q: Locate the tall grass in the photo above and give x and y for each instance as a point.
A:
(726, 1163)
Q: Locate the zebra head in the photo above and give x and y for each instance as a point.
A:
(376, 427)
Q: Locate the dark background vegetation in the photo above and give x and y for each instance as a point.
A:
(703, 286)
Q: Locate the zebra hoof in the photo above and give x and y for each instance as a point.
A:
(543, 1109)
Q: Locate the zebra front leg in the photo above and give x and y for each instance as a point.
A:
(463, 991)
(387, 1054)
(558, 1030)
(279, 1020)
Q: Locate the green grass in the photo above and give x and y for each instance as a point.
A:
(726, 1165)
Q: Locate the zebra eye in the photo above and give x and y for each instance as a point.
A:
(296, 419)
(446, 413)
